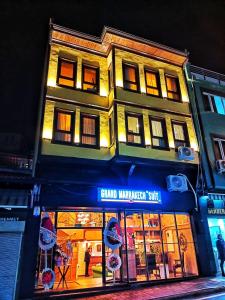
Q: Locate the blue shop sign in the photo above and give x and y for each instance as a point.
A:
(128, 195)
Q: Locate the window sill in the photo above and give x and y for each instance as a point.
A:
(136, 92)
(135, 145)
(77, 145)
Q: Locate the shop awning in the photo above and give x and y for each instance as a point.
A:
(14, 198)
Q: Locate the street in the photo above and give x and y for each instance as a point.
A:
(219, 296)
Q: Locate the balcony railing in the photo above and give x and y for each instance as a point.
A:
(15, 163)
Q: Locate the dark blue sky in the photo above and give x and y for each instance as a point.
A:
(195, 25)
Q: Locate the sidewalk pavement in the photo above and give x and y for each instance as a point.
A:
(169, 291)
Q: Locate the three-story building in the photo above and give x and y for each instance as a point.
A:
(115, 111)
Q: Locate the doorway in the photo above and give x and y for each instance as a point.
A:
(216, 226)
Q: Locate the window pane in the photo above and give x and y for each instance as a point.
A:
(63, 121)
(89, 87)
(135, 247)
(66, 69)
(130, 86)
(217, 150)
(206, 102)
(152, 91)
(190, 264)
(223, 147)
(157, 128)
(178, 132)
(88, 125)
(130, 74)
(168, 228)
(63, 137)
(151, 79)
(219, 105)
(184, 230)
(134, 139)
(90, 75)
(174, 260)
(66, 82)
(79, 219)
(88, 140)
(173, 96)
(133, 124)
(171, 84)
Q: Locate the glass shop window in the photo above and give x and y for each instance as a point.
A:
(90, 79)
(63, 126)
(66, 73)
(79, 219)
(173, 89)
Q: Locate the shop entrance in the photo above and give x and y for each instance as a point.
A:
(82, 248)
(216, 226)
(155, 246)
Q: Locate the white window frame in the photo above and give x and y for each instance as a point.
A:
(210, 99)
(219, 140)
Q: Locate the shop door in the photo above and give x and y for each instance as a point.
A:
(136, 253)
(216, 226)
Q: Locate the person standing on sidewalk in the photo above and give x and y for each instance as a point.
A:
(220, 245)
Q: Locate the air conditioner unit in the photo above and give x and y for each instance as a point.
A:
(220, 165)
(176, 183)
(186, 153)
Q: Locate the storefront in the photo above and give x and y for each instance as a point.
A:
(156, 244)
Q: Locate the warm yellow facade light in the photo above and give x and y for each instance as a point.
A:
(51, 82)
(104, 142)
(119, 82)
(47, 133)
(103, 91)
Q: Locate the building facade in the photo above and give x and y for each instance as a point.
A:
(207, 92)
(115, 111)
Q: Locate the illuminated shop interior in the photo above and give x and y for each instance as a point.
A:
(155, 247)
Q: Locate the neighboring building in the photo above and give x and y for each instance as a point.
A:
(16, 184)
(115, 111)
(207, 90)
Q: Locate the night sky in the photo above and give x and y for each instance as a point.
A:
(198, 26)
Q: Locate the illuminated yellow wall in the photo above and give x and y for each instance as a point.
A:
(148, 152)
(49, 148)
(80, 57)
(82, 102)
(162, 67)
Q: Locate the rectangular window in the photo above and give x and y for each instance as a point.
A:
(219, 148)
(173, 90)
(180, 134)
(66, 73)
(134, 125)
(130, 77)
(158, 133)
(214, 103)
(89, 130)
(63, 126)
(152, 83)
(90, 79)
